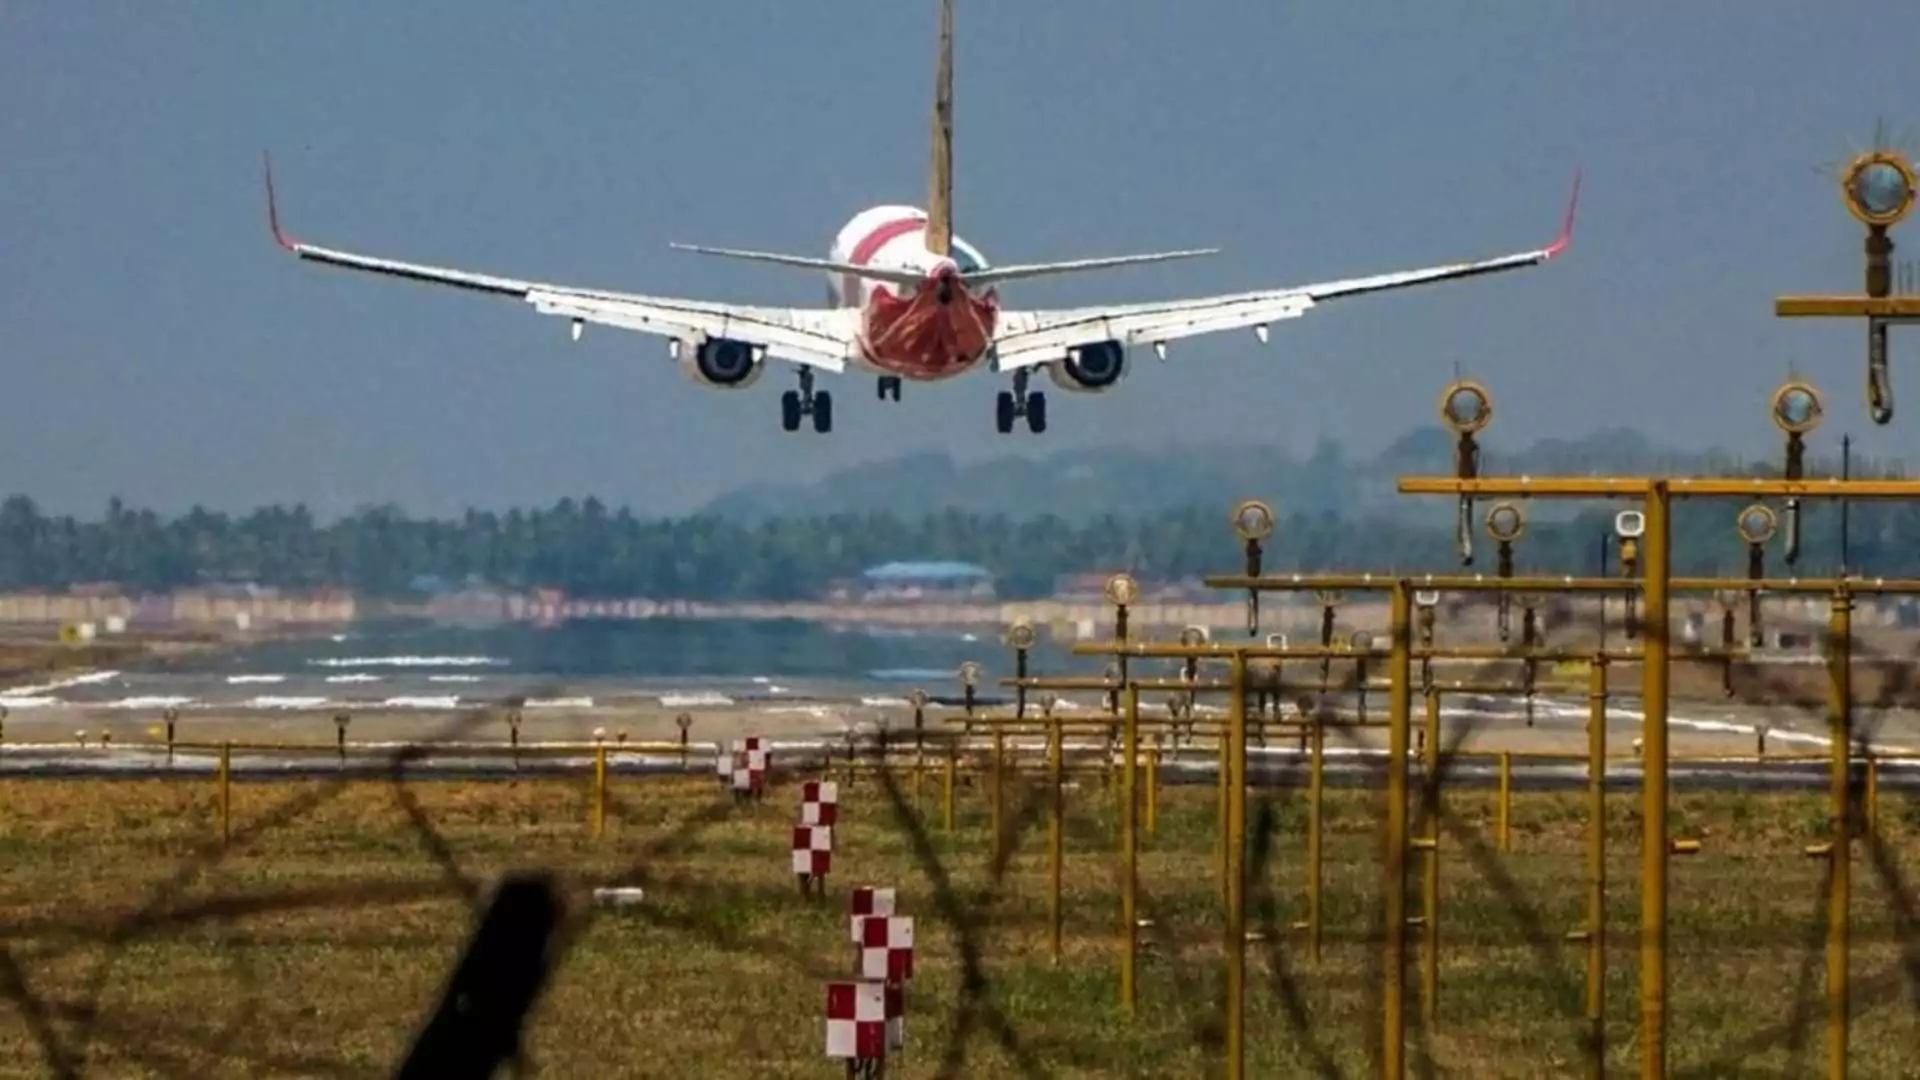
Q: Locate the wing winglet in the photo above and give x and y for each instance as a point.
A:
(1566, 227)
(273, 208)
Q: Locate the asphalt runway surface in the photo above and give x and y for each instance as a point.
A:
(1714, 744)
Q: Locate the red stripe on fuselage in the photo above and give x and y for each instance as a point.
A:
(870, 245)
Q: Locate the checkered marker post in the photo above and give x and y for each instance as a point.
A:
(812, 856)
(868, 900)
(857, 1026)
(819, 803)
(886, 948)
(749, 768)
(896, 995)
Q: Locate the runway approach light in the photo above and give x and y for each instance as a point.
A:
(1758, 524)
(1797, 408)
(1630, 524)
(1121, 590)
(1020, 636)
(970, 673)
(1466, 408)
(1505, 523)
(1879, 188)
(1253, 520)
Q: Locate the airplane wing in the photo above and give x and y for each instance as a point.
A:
(1028, 338)
(819, 338)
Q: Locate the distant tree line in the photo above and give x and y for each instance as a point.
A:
(590, 550)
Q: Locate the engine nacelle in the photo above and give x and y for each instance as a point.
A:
(722, 362)
(1090, 368)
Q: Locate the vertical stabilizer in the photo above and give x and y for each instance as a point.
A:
(940, 204)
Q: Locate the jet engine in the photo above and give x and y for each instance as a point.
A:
(1090, 368)
(722, 362)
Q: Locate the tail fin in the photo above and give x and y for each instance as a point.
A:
(939, 234)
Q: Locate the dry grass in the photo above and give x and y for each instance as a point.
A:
(339, 928)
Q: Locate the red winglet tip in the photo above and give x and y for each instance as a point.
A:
(273, 208)
(1566, 226)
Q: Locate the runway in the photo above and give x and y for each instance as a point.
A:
(1271, 766)
(56, 729)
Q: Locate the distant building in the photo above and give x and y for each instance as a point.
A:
(936, 581)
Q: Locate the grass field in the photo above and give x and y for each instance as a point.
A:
(316, 944)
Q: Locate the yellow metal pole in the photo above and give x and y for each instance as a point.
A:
(1430, 872)
(1055, 834)
(1872, 810)
(946, 795)
(1840, 828)
(1656, 547)
(1505, 822)
(998, 794)
(1153, 788)
(1316, 796)
(1237, 874)
(919, 770)
(1129, 857)
(1596, 933)
(226, 793)
(1400, 709)
(599, 791)
(1223, 779)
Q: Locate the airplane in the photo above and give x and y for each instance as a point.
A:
(909, 300)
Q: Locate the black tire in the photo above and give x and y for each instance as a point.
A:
(1003, 412)
(822, 412)
(790, 410)
(1037, 412)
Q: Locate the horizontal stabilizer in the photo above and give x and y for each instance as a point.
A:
(828, 266)
(994, 275)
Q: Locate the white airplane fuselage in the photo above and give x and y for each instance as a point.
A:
(936, 332)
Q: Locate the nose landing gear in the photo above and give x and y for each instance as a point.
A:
(889, 387)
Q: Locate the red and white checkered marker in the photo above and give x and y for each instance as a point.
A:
(868, 900)
(886, 947)
(820, 803)
(857, 1021)
(812, 850)
(747, 766)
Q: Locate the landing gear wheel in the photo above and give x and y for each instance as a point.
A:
(1003, 412)
(889, 387)
(790, 410)
(822, 412)
(1036, 412)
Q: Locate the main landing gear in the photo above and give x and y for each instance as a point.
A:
(889, 387)
(1016, 403)
(795, 404)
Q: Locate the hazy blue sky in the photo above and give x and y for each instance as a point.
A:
(157, 345)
